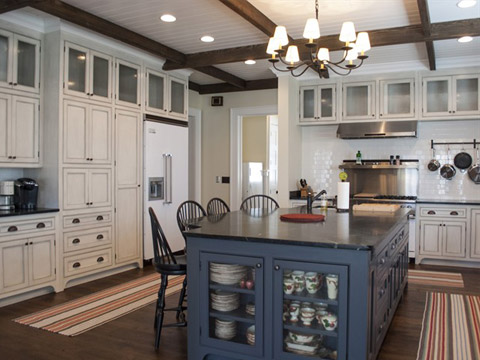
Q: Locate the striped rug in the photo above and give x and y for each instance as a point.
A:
(88, 312)
(435, 278)
(451, 328)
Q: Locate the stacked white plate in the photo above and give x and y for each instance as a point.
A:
(250, 309)
(251, 335)
(227, 274)
(224, 301)
(225, 329)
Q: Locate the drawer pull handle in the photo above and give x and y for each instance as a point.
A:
(382, 261)
(394, 246)
(431, 212)
(382, 292)
(12, 228)
(99, 218)
(100, 259)
(76, 221)
(455, 213)
(76, 241)
(76, 265)
(40, 225)
(99, 237)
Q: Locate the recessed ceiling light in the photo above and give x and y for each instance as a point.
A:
(250, 62)
(207, 38)
(466, 3)
(168, 18)
(465, 39)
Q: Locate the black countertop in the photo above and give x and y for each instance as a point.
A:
(448, 202)
(18, 212)
(353, 230)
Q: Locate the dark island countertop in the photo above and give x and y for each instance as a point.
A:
(448, 202)
(353, 230)
(18, 212)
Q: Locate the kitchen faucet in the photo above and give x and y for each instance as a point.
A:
(311, 199)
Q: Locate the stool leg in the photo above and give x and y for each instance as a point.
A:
(181, 299)
(159, 311)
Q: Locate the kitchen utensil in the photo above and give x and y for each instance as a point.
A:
(434, 164)
(474, 171)
(448, 171)
(463, 161)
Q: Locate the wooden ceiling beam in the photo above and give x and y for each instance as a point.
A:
(222, 75)
(262, 84)
(426, 25)
(381, 37)
(10, 5)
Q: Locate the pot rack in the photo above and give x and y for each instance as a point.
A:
(474, 143)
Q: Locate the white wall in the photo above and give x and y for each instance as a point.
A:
(322, 152)
(10, 174)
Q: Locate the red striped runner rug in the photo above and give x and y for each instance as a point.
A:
(435, 278)
(83, 314)
(451, 328)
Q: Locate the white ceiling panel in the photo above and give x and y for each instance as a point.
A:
(203, 79)
(260, 70)
(452, 48)
(447, 10)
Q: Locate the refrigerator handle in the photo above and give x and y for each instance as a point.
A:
(167, 166)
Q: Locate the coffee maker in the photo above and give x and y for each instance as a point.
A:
(7, 195)
(26, 193)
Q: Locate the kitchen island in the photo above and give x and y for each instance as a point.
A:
(261, 288)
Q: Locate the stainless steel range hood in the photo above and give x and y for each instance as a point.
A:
(377, 130)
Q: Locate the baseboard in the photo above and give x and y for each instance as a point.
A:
(455, 263)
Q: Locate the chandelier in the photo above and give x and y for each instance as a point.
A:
(355, 48)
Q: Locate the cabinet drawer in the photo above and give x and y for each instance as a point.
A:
(443, 212)
(83, 263)
(99, 218)
(20, 227)
(381, 291)
(79, 240)
(383, 260)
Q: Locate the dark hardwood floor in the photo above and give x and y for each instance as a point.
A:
(132, 336)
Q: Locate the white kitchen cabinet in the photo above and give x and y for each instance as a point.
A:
(156, 99)
(475, 234)
(41, 255)
(19, 130)
(443, 238)
(453, 96)
(431, 233)
(127, 84)
(178, 98)
(19, 62)
(359, 101)
(86, 188)
(87, 73)
(128, 191)
(397, 99)
(87, 134)
(317, 104)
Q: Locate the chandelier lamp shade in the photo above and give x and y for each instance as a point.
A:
(355, 46)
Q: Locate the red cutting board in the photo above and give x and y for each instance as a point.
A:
(302, 218)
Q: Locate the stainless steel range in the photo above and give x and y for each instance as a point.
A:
(379, 181)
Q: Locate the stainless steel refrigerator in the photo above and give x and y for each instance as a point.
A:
(166, 179)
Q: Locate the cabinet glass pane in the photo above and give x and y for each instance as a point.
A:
(437, 96)
(127, 84)
(309, 103)
(467, 94)
(357, 101)
(100, 76)
(3, 58)
(398, 98)
(155, 91)
(77, 68)
(177, 98)
(26, 63)
(232, 302)
(326, 102)
(310, 313)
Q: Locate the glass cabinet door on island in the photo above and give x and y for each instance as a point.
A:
(310, 310)
(232, 306)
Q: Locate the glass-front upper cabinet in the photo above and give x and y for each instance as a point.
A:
(87, 73)
(317, 103)
(457, 95)
(19, 62)
(128, 84)
(359, 101)
(310, 310)
(397, 99)
(232, 305)
(156, 92)
(178, 97)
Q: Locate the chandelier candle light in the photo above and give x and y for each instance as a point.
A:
(355, 48)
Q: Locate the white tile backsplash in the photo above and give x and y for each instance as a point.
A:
(322, 152)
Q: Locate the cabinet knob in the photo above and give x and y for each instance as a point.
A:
(276, 267)
(31, 243)
(76, 241)
(12, 228)
(26, 244)
(373, 115)
(10, 157)
(40, 225)
(382, 292)
(14, 157)
(99, 237)
(76, 265)
(10, 83)
(76, 221)
(431, 212)
(394, 246)
(15, 84)
(258, 265)
(99, 218)
(454, 213)
(382, 261)
(100, 259)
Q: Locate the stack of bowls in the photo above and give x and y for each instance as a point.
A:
(251, 335)
(225, 301)
(227, 274)
(225, 329)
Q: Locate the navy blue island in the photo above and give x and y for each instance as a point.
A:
(262, 288)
